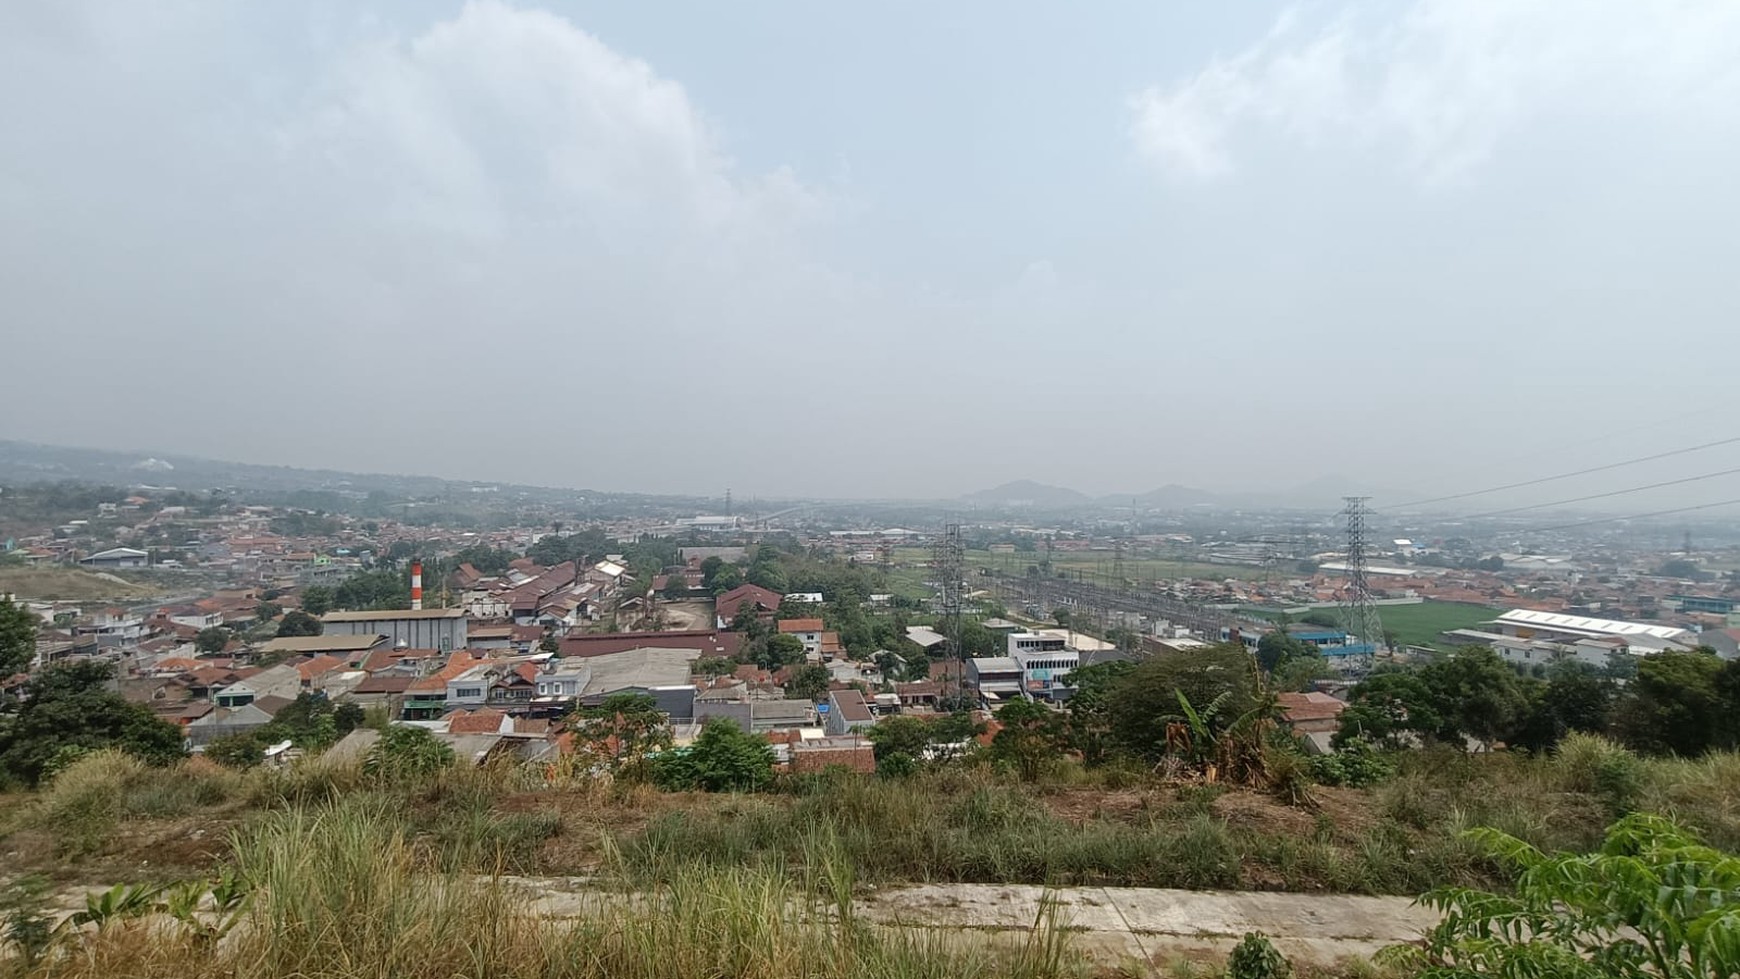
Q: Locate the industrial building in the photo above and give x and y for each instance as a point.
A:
(427, 628)
(1528, 637)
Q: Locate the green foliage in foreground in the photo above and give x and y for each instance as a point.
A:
(1652, 903)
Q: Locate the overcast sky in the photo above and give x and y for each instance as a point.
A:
(879, 249)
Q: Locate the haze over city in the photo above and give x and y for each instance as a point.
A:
(892, 251)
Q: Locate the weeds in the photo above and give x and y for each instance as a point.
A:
(338, 890)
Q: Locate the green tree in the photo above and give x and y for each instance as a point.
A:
(904, 737)
(373, 590)
(1476, 694)
(1089, 722)
(676, 587)
(17, 638)
(487, 560)
(348, 717)
(307, 721)
(317, 600)
(1142, 702)
(239, 751)
(68, 708)
(212, 639)
(767, 574)
(714, 666)
(622, 734)
(725, 579)
(1676, 705)
(808, 682)
(1278, 646)
(1031, 735)
(1297, 675)
(1652, 903)
(780, 650)
(267, 611)
(724, 758)
(1386, 707)
(1576, 697)
(1679, 568)
(709, 568)
(1321, 617)
(300, 623)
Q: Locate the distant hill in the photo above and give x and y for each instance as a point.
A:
(1026, 492)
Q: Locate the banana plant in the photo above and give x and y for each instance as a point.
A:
(118, 903)
(208, 921)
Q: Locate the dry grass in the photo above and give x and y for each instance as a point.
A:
(70, 585)
(340, 891)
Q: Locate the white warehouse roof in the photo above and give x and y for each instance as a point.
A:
(1579, 623)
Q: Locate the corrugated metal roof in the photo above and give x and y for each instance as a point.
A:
(1580, 623)
(390, 614)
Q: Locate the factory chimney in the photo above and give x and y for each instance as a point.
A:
(416, 585)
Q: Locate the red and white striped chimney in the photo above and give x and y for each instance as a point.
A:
(416, 584)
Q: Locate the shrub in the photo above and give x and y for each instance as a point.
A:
(1593, 765)
(83, 804)
(405, 753)
(1356, 764)
(1651, 903)
(1255, 957)
(725, 758)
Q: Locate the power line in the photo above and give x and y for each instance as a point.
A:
(1602, 496)
(1569, 475)
(1645, 426)
(1632, 516)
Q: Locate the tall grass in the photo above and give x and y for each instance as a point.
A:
(84, 805)
(340, 892)
(986, 833)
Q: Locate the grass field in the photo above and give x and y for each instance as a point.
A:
(1416, 625)
(1419, 625)
(69, 585)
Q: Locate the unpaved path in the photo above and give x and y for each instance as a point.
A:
(1115, 926)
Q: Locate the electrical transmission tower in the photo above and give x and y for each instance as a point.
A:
(1358, 611)
(949, 561)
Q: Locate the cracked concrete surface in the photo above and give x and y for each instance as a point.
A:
(1153, 924)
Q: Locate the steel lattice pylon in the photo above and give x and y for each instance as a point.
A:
(1359, 613)
(949, 560)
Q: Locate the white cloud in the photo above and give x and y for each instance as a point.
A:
(1442, 83)
(502, 115)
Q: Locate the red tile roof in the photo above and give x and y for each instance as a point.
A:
(485, 721)
(801, 625)
(1300, 707)
(726, 606)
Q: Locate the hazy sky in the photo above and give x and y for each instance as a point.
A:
(878, 249)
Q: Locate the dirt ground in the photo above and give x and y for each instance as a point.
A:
(687, 615)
